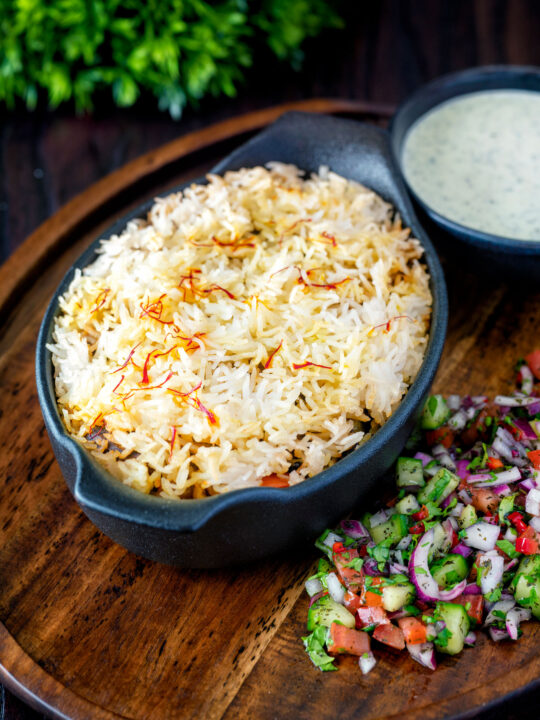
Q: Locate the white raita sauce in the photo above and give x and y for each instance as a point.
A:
(476, 160)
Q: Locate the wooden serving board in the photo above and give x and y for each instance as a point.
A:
(90, 631)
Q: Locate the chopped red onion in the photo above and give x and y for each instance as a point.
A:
(470, 638)
(534, 409)
(524, 614)
(316, 597)
(525, 428)
(456, 510)
(492, 565)
(535, 523)
(502, 606)
(443, 457)
(505, 452)
(461, 469)
(426, 459)
(480, 477)
(510, 535)
(510, 564)
(379, 517)
(516, 401)
(464, 495)
(398, 569)
(453, 402)
(502, 490)
(479, 400)
(497, 634)
(447, 500)
(458, 420)
(354, 529)
(314, 586)
(367, 662)
(532, 503)
(472, 589)
(481, 536)
(423, 653)
(527, 380)
(461, 549)
(404, 543)
(332, 538)
(370, 567)
(335, 588)
(527, 484)
(512, 624)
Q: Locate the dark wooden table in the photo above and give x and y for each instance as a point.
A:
(388, 48)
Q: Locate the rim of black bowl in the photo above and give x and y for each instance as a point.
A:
(122, 502)
(438, 91)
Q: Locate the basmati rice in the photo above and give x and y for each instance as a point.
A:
(264, 323)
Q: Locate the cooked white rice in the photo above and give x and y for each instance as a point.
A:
(261, 324)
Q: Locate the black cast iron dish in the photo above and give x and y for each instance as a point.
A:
(519, 256)
(245, 525)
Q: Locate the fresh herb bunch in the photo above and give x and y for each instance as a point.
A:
(177, 50)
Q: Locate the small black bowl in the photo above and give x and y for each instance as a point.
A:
(521, 257)
(245, 525)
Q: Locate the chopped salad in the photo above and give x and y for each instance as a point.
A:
(457, 550)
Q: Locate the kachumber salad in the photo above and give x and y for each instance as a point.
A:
(456, 551)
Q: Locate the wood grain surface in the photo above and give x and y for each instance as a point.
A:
(90, 631)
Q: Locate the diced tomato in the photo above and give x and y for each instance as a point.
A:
(422, 514)
(390, 635)
(485, 500)
(530, 533)
(341, 557)
(441, 436)
(494, 463)
(455, 539)
(348, 640)
(473, 604)
(366, 616)
(526, 546)
(373, 598)
(533, 361)
(516, 518)
(528, 541)
(534, 457)
(414, 631)
(274, 481)
(417, 529)
(352, 601)
(362, 551)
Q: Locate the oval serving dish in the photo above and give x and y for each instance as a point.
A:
(520, 256)
(244, 525)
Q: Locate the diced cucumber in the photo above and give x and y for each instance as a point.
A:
(527, 584)
(441, 543)
(439, 487)
(397, 595)
(407, 505)
(393, 529)
(435, 413)
(457, 624)
(450, 570)
(409, 472)
(467, 518)
(505, 507)
(325, 611)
